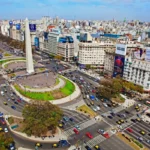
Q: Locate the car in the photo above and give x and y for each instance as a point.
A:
(112, 113)
(118, 122)
(61, 125)
(130, 130)
(121, 120)
(91, 103)
(142, 132)
(87, 147)
(89, 135)
(109, 105)
(133, 120)
(38, 144)
(148, 141)
(16, 102)
(97, 107)
(19, 100)
(137, 110)
(105, 104)
(65, 118)
(88, 104)
(140, 139)
(106, 135)
(13, 107)
(5, 103)
(101, 131)
(11, 146)
(77, 127)
(94, 108)
(127, 112)
(110, 117)
(2, 121)
(76, 131)
(1, 129)
(138, 119)
(55, 145)
(8, 99)
(5, 130)
(71, 119)
(96, 99)
(97, 147)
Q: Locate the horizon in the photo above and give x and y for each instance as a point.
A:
(76, 9)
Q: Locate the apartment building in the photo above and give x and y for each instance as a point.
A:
(109, 61)
(51, 44)
(94, 53)
(66, 48)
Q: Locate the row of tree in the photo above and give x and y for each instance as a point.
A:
(13, 43)
(41, 117)
(112, 87)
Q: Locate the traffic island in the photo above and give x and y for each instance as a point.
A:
(130, 141)
(68, 92)
(87, 111)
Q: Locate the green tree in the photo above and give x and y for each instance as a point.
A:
(5, 141)
(40, 117)
(88, 67)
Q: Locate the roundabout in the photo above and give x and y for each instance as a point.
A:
(41, 86)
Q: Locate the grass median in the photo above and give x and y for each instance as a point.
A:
(87, 110)
(7, 60)
(51, 95)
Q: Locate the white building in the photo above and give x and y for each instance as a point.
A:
(51, 44)
(93, 53)
(138, 72)
(66, 50)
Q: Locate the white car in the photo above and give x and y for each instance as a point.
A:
(94, 108)
(105, 104)
(97, 107)
(5, 130)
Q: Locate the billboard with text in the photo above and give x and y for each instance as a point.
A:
(118, 66)
(32, 27)
(18, 26)
(121, 49)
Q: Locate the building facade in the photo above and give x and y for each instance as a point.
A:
(109, 62)
(94, 53)
(51, 44)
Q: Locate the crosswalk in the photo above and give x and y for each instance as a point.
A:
(82, 126)
(95, 141)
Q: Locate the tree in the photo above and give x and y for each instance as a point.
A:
(88, 67)
(58, 57)
(40, 117)
(5, 141)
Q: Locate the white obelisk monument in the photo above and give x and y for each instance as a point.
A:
(29, 59)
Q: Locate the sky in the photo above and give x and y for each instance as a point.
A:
(76, 9)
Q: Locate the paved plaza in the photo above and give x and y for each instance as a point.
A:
(20, 64)
(38, 80)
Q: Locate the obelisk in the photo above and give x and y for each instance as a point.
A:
(29, 58)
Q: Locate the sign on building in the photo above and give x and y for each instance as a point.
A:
(121, 49)
(32, 27)
(147, 56)
(119, 66)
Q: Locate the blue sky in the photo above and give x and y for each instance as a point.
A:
(76, 9)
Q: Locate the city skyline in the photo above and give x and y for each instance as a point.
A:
(76, 9)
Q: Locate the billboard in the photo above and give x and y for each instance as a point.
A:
(18, 26)
(32, 27)
(139, 53)
(118, 66)
(121, 49)
(147, 56)
(36, 42)
(46, 36)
